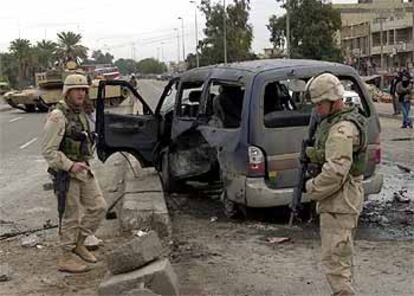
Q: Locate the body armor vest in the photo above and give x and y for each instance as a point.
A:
(359, 154)
(77, 142)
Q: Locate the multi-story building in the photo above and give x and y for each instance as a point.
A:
(378, 33)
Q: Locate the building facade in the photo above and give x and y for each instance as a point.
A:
(377, 34)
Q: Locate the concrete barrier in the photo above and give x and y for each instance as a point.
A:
(143, 206)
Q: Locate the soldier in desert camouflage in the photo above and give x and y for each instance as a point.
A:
(68, 146)
(340, 153)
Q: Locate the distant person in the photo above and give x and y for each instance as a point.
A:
(404, 90)
(395, 100)
(133, 81)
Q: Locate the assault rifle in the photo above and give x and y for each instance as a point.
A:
(61, 181)
(304, 166)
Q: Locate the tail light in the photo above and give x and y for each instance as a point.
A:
(256, 162)
(377, 150)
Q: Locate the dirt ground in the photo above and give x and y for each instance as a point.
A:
(216, 256)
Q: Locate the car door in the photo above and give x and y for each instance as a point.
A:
(136, 133)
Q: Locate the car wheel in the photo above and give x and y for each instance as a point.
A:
(232, 210)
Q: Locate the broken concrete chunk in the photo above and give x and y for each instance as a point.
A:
(135, 253)
(92, 243)
(140, 292)
(30, 241)
(5, 272)
(158, 276)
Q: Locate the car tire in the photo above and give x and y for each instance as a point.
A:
(232, 210)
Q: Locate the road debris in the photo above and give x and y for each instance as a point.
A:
(278, 240)
(5, 272)
(92, 243)
(401, 196)
(213, 219)
(140, 233)
(30, 241)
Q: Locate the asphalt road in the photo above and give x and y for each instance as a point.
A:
(24, 204)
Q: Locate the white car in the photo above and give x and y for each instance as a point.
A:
(351, 98)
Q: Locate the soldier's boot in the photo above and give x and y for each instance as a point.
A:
(83, 252)
(68, 262)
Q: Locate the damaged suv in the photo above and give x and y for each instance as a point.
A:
(240, 125)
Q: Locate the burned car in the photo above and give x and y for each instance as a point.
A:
(240, 124)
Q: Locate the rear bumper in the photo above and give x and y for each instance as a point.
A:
(259, 195)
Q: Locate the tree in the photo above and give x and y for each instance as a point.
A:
(239, 32)
(22, 51)
(126, 66)
(151, 66)
(100, 58)
(46, 53)
(9, 68)
(313, 25)
(69, 48)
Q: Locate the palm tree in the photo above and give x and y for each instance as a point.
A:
(46, 53)
(23, 52)
(69, 48)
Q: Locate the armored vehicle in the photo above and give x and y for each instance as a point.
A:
(49, 86)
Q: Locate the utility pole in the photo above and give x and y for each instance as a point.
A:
(182, 31)
(225, 32)
(162, 51)
(178, 45)
(412, 30)
(381, 19)
(196, 33)
(287, 29)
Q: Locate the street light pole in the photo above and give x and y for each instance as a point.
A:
(178, 45)
(287, 29)
(224, 32)
(196, 33)
(182, 31)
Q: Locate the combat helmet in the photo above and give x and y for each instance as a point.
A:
(325, 86)
(74, 81)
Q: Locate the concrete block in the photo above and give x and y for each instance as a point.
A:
(135, 253)
(158, 276)
(147, 210)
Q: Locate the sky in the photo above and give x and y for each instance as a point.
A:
(127, 29)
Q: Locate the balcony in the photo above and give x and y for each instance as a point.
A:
(392, 49)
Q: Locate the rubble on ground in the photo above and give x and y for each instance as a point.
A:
(137, 264)
(5, 272)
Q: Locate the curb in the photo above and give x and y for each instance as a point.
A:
(398, 117)
(6, 108)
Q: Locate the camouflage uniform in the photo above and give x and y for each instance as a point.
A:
(340, 146)
(85, 205)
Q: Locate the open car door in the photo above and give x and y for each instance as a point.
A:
(131, 128)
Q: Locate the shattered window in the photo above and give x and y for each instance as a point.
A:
(168, 104)
(190, 99)
(224, 104)
(284, 104)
